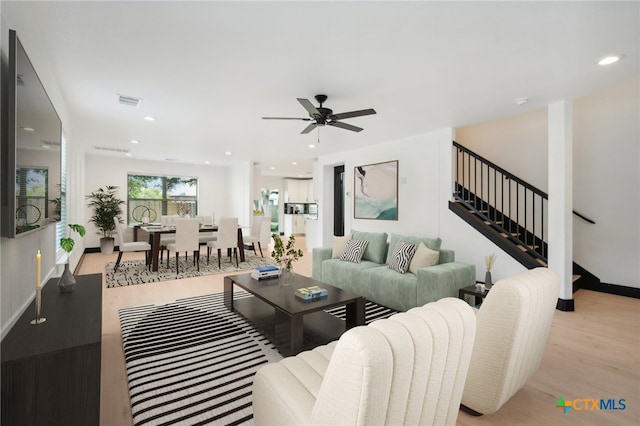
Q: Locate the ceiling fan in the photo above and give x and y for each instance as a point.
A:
(324, 116)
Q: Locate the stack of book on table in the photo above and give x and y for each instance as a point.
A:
(264, 272)
(311, 293)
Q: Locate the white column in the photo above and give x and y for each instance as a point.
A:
(560, 216)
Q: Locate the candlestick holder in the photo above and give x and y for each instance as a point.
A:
(38, 319)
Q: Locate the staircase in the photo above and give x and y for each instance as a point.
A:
(504, 208)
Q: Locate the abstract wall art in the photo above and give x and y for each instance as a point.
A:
(376, 191)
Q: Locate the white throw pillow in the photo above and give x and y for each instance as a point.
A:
(423, 257)
(339, 243)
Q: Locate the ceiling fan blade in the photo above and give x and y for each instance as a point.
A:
(309, 107)
(309, 128)
(352, 114)
(345, 126)
(285, 118)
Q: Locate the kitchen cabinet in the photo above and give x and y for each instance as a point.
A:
(299, 190)
(295, 224)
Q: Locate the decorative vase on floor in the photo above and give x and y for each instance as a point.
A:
(67, 281)
(286, 275)
(487, 280)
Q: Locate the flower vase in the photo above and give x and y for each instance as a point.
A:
(286, 275)
(487, 280)
(67, 281)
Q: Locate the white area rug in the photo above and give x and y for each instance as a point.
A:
(132, 272)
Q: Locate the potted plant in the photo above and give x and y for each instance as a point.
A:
(106, 207)
(67, 280)
(285, 256)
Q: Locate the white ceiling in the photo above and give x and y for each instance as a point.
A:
(210, 70)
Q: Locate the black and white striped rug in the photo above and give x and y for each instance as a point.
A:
(192, 361)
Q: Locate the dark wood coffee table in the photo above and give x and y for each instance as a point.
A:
(292, 324)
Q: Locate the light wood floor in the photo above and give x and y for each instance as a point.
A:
(591, 353)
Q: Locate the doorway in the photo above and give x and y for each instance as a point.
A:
(338, 201)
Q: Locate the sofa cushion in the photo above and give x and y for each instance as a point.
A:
(432, 243)
(376, 250)
(423, 257)
(389, 288)
(346, 275)
(401, 256)
(354, 250)
(339, 243)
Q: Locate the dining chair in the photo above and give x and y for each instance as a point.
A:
(205, 237)
(260, 233)
(227, 239)
(129, 246)
(187, 230)
(167, 220)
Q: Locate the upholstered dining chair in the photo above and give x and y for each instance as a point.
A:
(408, 369)
(129, 246)
(227, 239)
(513, 325)
(205, 237)
(187, 230)
(167, 220)
(260, 233)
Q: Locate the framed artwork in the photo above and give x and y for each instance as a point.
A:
(376, 191)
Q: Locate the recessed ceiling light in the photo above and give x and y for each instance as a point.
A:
(311, 145)
(150, 118)
(299, 175)
(272, 168)
(227, 153)
(134, 141)
(521, 101)
(128, 154)
(207, 162)
(294, 163)
(611, 59)
(28, 129)
(46, 146)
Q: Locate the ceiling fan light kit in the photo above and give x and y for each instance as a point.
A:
(321, 116)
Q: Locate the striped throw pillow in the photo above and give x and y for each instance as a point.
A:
(401, 257)
(354, 250)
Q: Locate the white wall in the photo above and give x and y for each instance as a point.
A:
(425, 187)
(17, 260)
(606, 181)
(220, 189)
(606, 157)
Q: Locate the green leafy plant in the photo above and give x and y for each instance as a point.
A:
(68, 242)
(106, 206)
(285, 254)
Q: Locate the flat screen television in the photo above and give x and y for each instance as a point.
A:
(31, 147)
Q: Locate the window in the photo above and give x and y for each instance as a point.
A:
(31, 197)
(149, 197)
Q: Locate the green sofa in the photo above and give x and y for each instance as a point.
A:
(375, 281)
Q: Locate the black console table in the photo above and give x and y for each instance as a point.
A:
(51, 371)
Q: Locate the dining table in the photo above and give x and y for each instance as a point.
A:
(155, 231)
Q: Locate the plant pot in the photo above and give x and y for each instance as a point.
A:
(106, 245)
(286, 276)
(67, 281)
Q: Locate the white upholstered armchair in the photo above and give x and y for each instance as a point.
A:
(513, 326)
(408, 369)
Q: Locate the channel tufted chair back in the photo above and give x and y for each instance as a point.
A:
(513, 325)
(406, 370)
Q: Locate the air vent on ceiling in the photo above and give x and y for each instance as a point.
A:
(129, 100)
(110, 149)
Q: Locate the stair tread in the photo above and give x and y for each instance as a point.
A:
(576, 277)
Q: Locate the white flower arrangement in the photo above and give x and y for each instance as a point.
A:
(489, 261)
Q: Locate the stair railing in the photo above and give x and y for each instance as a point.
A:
(501, 199)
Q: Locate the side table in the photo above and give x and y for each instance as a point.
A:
(472, 290)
